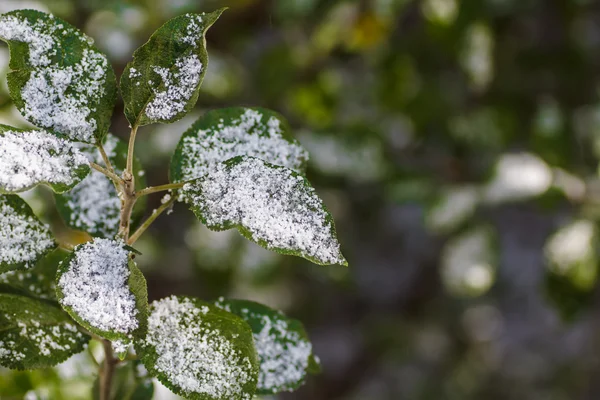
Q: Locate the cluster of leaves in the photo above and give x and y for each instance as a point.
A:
(235, 168)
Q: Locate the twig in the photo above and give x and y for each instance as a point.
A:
(105, 157)
(107, 371)
(150, 220)
(161, 188)
(128, 197)
(114, 177)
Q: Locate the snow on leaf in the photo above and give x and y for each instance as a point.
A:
(199, 351)
(24, 239)
(103, 290)
(270, 205)
(33, 157)
(60, 81)
(225, 133)
(93, 205)
(162, 82)
(282, 344)
(35, 334)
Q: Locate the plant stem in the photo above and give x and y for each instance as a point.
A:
(107, 371)
(150, 220)
(114, 177)
(105, 157)
(161, 188)
(128, 195)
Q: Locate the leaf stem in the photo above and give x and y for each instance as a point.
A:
(107, 371)
(150, 220)
(161, 188)
(107, 162)
(130, 149)
(114, 177)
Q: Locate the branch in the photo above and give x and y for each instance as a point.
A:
(150, 220)
(129, 168)
(161, 188)
(105, 157)
(114, 177)
(107, 371)
(129, 197)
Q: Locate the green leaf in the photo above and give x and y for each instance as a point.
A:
(199, 351)
(283, 347)
(35, 334)
(162, 82)
(270, 205)
(32, 157)
(93, 206)
(229, 132)
(38, 281)
(103, 290)
(60, 81)
(24, 239)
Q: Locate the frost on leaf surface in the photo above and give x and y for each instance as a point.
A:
(59, 80)
(33, 157)
(93, 205)
(283, 347)
(226, 133)
(199, 351)
(35, 334)
(273, 206)
(37, 281)
(162, 82)
(103, 290)
(24, 239)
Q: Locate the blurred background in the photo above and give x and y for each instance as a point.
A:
(456, 143)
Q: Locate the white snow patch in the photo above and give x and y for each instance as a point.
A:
(23, 238)
(247, 135)
(273, 204)
(96, 288)
(194, 356)
(32, 157)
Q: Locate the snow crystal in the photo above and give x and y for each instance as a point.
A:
(273, 204)
(192, 355)
(94, 203)
(96, 287)
(178, 86)
(57, 97)
(193, 30)
(23, 238)
(33, 157)
(283, 352)
(246, 135)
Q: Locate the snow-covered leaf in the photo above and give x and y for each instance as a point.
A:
(103, 290)
(24, 239)
(270, 205)
(229, 132)
(32, 157)
(35, 334)
(59, 80)
(162, 82)
(199, 351)
(38, 281)
(283, 347)
(93, 205)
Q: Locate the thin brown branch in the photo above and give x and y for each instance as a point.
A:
(150, 220)
(114, 177)
(161, 188)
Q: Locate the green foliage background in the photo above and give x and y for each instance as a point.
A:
(405, 106)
